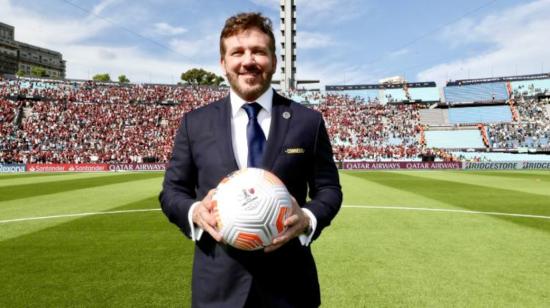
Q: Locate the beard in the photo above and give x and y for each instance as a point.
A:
(250, 88)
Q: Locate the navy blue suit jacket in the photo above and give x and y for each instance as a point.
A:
(203, 155)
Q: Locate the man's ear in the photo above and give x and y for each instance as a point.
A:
(222, 64)
(274, 60)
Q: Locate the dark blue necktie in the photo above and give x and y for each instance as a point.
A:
(254, 135)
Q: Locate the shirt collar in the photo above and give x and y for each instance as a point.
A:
(265, 100)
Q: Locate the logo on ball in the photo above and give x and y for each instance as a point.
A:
(251, 206)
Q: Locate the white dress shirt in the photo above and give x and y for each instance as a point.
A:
(239, 121)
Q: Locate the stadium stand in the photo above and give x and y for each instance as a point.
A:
(82, 121)
(370, 131)
(89, 122)
(520, 135)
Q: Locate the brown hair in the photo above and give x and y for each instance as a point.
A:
(244, 21)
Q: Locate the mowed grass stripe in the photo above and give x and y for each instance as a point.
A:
(532, 176)
(364, 191)
(414, 259)
(31, 190)
(522, 184)
(469, 196)
(93, 199)
(9, 176)
(35, 178)
(135, 260)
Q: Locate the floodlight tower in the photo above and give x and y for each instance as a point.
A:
(288, 45)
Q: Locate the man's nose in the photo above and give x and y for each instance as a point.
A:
(249, 58)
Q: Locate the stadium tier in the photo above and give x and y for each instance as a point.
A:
(369, 96)
(430, 94)
(485, 114)
(530, 87)
(482, 92)
(434, 117)
(411, 92)
(394, 95)
(455, 139)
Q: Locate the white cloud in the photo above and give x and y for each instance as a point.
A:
(35, 29)
(71, 37)
(312, 40)
(321, 11)
(205, 46)
(267, 3)
(85, 61)
(399, 53)
(163, 28)
(517, 44)
(333, 73)
(102, 5)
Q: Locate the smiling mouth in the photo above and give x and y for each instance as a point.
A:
(250, 74)
(251, 78)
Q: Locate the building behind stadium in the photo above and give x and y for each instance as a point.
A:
(18, 56)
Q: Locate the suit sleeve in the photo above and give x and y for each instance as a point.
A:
(325, 192)
(180, 180)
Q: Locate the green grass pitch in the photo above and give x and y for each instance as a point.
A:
(411, 238)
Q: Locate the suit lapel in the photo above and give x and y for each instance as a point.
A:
(223, 132)
(281, 114)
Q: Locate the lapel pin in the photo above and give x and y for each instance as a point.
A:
(286, 115)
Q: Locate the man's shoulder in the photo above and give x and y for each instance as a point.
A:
(297, 108)
(207, 109)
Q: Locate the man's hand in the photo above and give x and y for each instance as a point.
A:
(296, 223)
(203, 216)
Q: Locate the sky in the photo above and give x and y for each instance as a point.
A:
(338, 41)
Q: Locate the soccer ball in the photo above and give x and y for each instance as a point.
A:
(251, 206)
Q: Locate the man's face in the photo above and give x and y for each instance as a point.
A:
(248, 63)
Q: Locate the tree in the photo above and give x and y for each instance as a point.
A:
(102, 77)
(198, 76)
(123, 79)
(20, 73)
(37, 71)
(219, 80)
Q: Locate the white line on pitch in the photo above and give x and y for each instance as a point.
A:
(401, 208)
(75, 215)
(404, 208)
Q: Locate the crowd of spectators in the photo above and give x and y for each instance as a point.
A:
(532, 130)
(92, 92)
(371, 131)
(520, 135)
(95, 123)
(532, 110)
(88, 122)
(8, 112)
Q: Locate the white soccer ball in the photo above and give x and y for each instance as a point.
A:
(251, 206)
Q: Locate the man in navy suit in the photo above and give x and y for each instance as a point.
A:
(212, 142)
